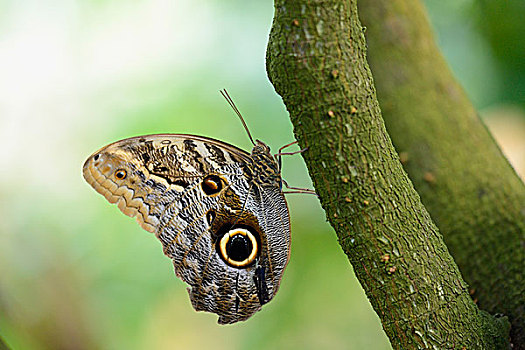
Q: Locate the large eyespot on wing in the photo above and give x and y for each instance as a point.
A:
(238, 246)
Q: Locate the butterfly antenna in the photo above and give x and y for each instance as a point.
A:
(224, 93)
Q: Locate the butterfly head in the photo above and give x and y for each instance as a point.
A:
(260, 148)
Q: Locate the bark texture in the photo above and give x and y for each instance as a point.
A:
(316, 61)
(472, 193)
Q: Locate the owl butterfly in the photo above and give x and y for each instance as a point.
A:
(218, 211)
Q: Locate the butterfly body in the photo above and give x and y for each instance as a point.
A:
(218, 211)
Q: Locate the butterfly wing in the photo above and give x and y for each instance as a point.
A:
(228, 235)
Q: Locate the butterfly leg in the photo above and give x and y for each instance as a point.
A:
(278, 156)
(298, 189)
(286, 146)
(281, 153)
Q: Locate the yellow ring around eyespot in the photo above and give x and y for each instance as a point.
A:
(226, 238)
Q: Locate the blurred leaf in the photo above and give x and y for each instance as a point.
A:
(502, 24)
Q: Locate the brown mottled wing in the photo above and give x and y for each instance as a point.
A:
(159, 179)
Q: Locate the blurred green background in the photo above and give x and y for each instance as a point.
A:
(75, 75)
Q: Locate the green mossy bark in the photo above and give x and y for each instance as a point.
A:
(316, 61)
(472, 193)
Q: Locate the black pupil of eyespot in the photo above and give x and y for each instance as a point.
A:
(96, 157)
(239, 247)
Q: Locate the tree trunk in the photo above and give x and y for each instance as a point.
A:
(470, 190)
(316, 61)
